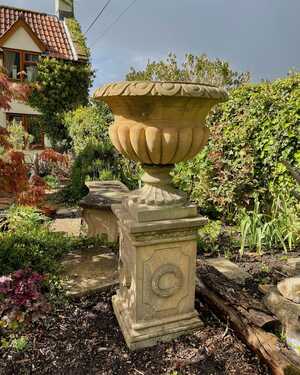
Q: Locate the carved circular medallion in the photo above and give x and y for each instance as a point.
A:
(167, 280)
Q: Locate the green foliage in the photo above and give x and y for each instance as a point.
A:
(96, 158)
(78, 38)
(20, 344)
(88, 126)
(62, 86)
(251, 135)
(30, 244)
(18, 137)
(194, 68)
(217, 238)
(24, 217)
(51, 181)
(96, 162)
(37, 249)
(280, 229)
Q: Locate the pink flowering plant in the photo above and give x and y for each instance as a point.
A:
(21, 297)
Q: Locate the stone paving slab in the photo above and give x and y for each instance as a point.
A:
(229, 269)
(89, 270)
(71, 226)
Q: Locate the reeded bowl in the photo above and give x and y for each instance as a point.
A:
(159, 123)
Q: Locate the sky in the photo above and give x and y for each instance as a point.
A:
(259, 36)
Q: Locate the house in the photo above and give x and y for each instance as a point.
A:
(25, 37)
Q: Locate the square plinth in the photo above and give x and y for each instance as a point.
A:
(147, 334)
(155, 301)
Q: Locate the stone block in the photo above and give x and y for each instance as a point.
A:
(88, 271)
(229, 269)
(290, 289)
(155, 301)
(96, 208)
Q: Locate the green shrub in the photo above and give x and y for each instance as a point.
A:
(88, 126)
(52, 181)
(37, 249)
(24, 217)
(251, 135)
(96, 158)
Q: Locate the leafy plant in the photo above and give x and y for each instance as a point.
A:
(18, 137)
(20, 344)
(24, 217)
(29, 190)
(61, 86)
(30, 244)
(280, 229)
(22, 297)
(88, 126)
(38, 249)
(11, 90)
(251, 135)
(52, 181)
(215, 237)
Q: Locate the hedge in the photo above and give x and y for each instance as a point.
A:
(251, 135)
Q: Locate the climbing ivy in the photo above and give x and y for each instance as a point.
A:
(78, 38)
(61, 86)
(252, 135)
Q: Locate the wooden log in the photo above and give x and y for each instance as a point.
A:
(248, 316)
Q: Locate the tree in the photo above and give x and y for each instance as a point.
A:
(194, 68)
(14, 172)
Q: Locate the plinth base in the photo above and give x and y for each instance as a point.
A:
(150, 333)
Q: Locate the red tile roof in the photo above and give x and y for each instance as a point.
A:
(49, 29)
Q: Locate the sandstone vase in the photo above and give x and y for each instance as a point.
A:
(159, 124)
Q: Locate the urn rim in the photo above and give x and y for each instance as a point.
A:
(161, 89)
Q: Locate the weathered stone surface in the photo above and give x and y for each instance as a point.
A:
(71, 226)
(288, 313)
(290, 289)
(292, 334)
(155, 301)
(229, 269)
(96, 208)
(292, 267)
(89, 270)
(158, 124)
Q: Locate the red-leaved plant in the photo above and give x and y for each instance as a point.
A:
(14, 171)
(21, 297)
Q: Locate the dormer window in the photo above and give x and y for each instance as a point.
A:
(21, 65)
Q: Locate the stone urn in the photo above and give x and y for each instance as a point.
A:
(158, 124)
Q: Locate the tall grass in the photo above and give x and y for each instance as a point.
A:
(280, 229)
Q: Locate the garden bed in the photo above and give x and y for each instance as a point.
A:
(84, 338)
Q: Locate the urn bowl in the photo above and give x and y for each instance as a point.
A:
(159, 123)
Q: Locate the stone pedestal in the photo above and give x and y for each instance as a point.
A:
(155, 301)
(158, 124)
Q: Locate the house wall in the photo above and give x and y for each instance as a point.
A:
(21, 40)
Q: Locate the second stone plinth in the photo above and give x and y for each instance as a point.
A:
(155, 301)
